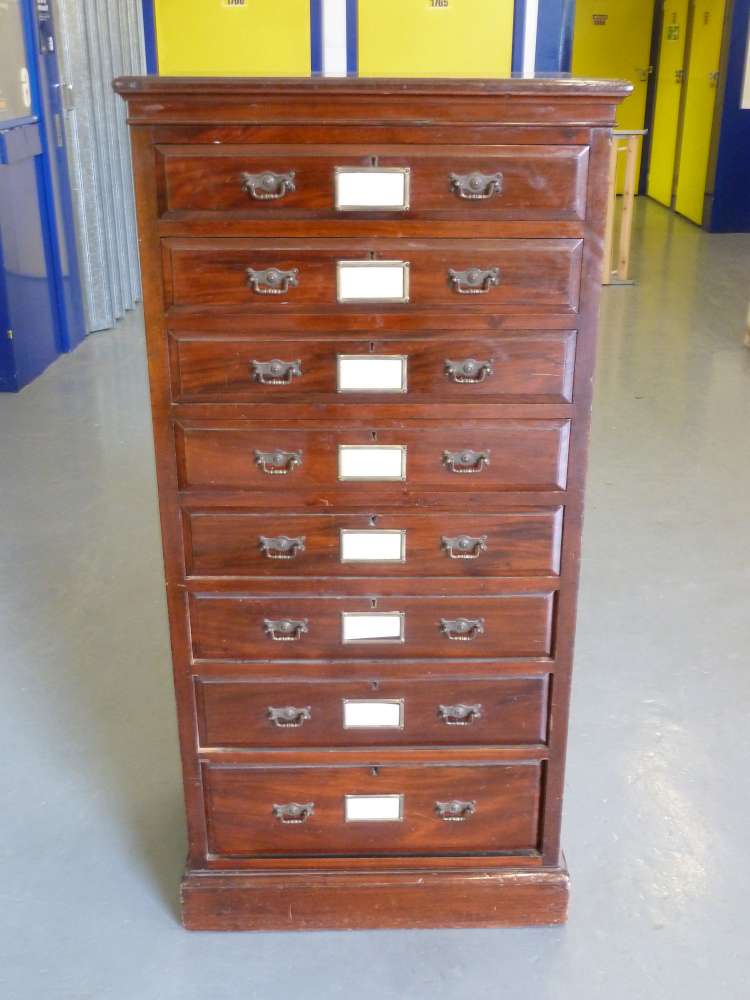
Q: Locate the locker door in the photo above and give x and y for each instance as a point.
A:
(57, 179)
(669, 84)
(30, 334)
(700, 100)
(613, 39)
(435, 37)
(233, 37)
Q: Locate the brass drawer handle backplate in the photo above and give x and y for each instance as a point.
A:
(476, 186)
(278, 463)
(466, 461)
(276, 371)
(267, 185)
(464, 546)
(455, 811)
(281, 547)
(289, 717)
(272, 280)
(293, 812)
(462, 629)
(459, 715)
(468, 370)
(474, 280)
(285, 629)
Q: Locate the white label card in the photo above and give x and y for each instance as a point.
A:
(372, 626)
(373, 714)
(373, 808)
(371, 373)
(373, 281)
(372, 546)
(372, 462)
(371, 189)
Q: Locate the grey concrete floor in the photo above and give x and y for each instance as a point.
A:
(657, 803)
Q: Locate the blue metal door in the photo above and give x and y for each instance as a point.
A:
(40, 312)
(57, 180)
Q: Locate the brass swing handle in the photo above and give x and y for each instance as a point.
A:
(468, 370)
(459, 715)
(276, 372)
(289, 717)
(462, 629)
(278, 463)
(285, 629)
(267, 185)
(293, 812)
(272, 280)
(281, 547)
(464, 546)
(456, 810)
(466, 461)
(476, 186)
(474, 280)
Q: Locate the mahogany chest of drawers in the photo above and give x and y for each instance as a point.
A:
(370, 311)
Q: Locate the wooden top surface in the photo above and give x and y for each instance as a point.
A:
(541, 86)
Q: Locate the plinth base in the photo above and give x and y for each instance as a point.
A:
(276, 901)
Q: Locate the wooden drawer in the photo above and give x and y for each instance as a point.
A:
(251, 810)
(239, 627)
(505, 454)
(523, 366)
(535, 183)
(505, 711)
(532, 275)
(243, 543)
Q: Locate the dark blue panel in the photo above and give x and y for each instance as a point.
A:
(352, 59)
(28, 300)
(554, 37)
(316, 36)
(730, 211)
(149, 33)
(8, 374)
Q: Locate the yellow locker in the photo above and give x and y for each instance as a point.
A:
(233, 37)
(612, 38)
(435, 37)
(669, 86)
(700, 100)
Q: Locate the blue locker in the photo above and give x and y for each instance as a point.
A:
(41, 313)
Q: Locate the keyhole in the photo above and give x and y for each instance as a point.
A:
(373, 602)
(373, 435)
(374, 771)
(373, 520)
(375, 685)
(371, 255)
(373, 161)
(372, 346)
